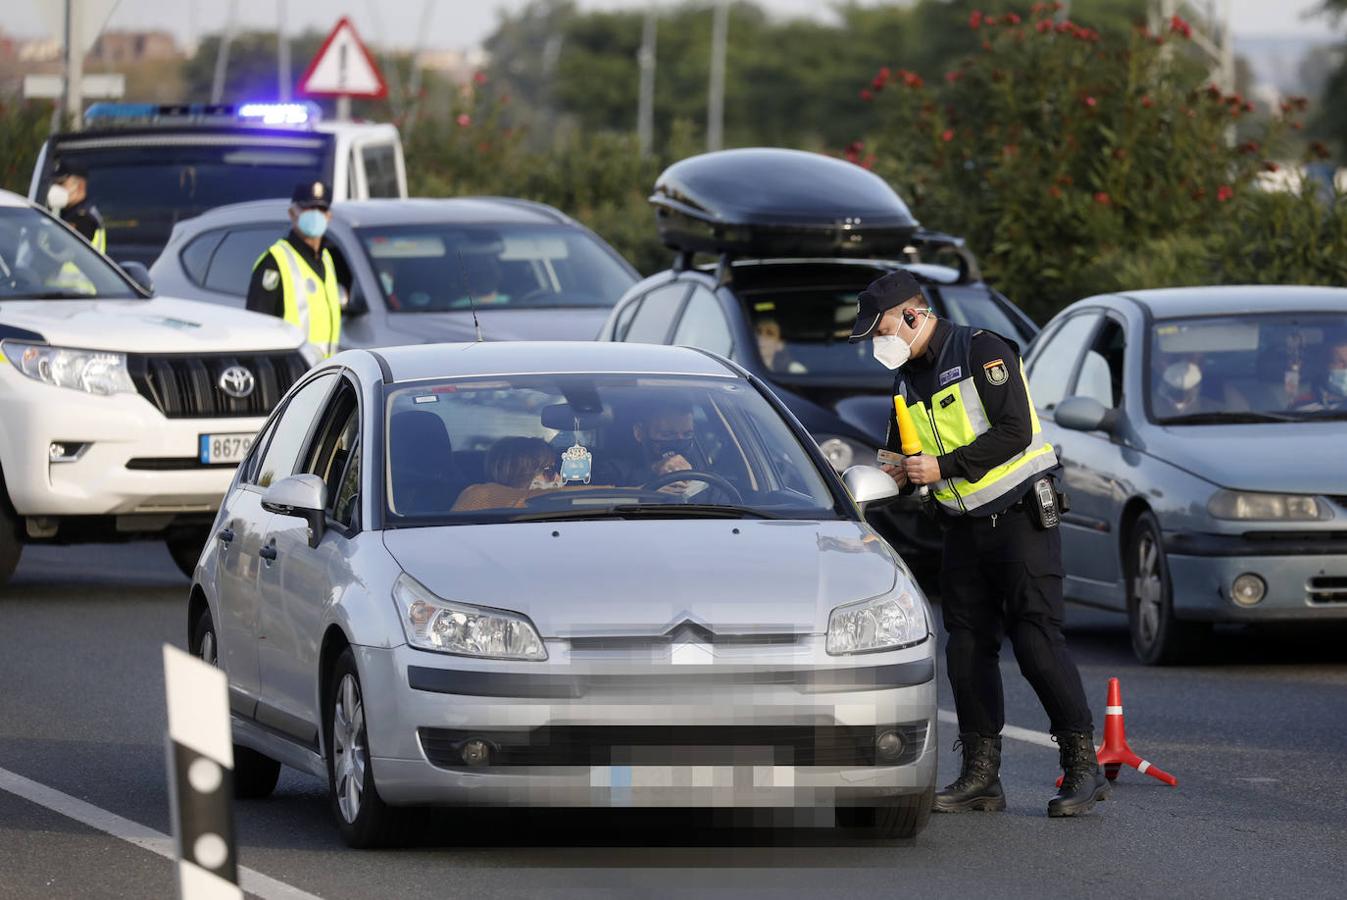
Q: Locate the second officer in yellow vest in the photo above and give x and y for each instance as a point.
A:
(988, 472)
(302, 278)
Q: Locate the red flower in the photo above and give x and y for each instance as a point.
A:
(989, 21)
(953, 76)
(479, 77)
(1055, 192)
(885, 73)
(1043, 26)
(947, 135)
(866, 95)
(1224, 193)
(877, 85)
(464, 120)
(1180, 27)
(1090, 101)
(1012, 18)
(1271, 166)
(1102, 198)
(912, 79)
(975, 19)
(868, 162)
(1319, 149)
(1147, 102)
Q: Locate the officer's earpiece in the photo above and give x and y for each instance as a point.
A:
(910, 318)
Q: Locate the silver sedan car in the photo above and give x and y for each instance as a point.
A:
(569, 575)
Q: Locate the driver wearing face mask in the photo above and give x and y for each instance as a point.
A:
(303, 278)
(1331, 391)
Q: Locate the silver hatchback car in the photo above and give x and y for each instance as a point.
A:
(569, 575)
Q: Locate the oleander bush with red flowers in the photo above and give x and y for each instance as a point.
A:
(1075, 163)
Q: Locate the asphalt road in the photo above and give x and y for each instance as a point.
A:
(1256, 733)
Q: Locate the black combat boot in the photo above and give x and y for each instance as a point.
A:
(1082, 782)
(978, 785)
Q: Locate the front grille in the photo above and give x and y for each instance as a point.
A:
(675, 745)
(188, 387)
(1328, 589)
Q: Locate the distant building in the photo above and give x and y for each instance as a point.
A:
(119, 48)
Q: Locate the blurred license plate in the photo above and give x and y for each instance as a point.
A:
(225, 448)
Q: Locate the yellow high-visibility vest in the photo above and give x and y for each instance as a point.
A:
(954, 417)
(311, 303)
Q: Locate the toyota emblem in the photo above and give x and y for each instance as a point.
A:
(237, 382)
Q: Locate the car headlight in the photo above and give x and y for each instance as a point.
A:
(92, 371)
(461, 628)
(881, 623)
(1272, 507)
(843, 453)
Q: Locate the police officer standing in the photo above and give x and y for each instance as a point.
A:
(302, 277)
(987, 472)
(68, 197)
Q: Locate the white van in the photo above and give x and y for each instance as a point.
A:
(151, 166)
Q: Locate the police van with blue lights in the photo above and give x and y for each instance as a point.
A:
(150, 166)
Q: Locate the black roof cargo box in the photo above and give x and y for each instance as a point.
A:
(779, 203)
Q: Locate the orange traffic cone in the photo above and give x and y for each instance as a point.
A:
(1114, 754)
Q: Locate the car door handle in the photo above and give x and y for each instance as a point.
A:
(227, 535)
(268, 551)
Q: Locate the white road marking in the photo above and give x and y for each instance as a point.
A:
(146, 838)
(1014, 732)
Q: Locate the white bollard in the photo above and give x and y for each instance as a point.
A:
(201, 777)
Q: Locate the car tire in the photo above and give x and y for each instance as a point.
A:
(901, 818)
(255, 775)
(185, 548)
(1158, 638)
(11, 548)
(362, 816)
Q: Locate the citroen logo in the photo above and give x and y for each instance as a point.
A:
(237, 382)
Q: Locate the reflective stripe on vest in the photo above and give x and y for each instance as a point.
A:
(954, 419)
(319, 315)
(100, 240)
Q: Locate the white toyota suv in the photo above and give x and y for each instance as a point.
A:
(121, 414)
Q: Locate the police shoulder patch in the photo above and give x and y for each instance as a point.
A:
(996, 371)
(270, 278)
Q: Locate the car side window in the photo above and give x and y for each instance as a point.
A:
(248, 468)
(652, 321)
(332, 450)
(1055, 363)
(624, 317)
(381, 174)
(1101, 372)
(195, 257)
(703, 325)
(293, 426)
(231, 265)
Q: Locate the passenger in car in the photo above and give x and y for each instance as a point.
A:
(775, 356)
(1330, 387)
(517, 466)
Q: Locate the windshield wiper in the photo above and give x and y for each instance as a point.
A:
(55, 295)
(649, 511)
(1227, 417)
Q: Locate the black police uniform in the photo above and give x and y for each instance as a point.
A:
(84, 218)
(1000, 574)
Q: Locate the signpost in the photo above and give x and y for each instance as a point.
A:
(343, 68)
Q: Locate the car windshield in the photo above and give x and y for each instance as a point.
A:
(1249, 368)
(434, 268)
(42, 259)
(803, 332)
(594, 446)
(142, 191)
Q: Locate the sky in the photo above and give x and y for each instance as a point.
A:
(465, 23)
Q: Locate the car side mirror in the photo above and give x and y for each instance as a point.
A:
(139, 274)
(301, 496)
(354, 304)
(868, 485)
(1085, 414)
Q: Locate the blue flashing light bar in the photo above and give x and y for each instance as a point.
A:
(284, 114)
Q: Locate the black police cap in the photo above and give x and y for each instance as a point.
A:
(65, 169)
(883, 294)
(312, 195)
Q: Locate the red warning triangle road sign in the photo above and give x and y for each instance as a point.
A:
(343, 67)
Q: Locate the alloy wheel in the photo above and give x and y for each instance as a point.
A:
(351, 757)
(1148, 589)
(207, 651)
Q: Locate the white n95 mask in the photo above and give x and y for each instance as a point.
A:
(892, 351)
(58, 198)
